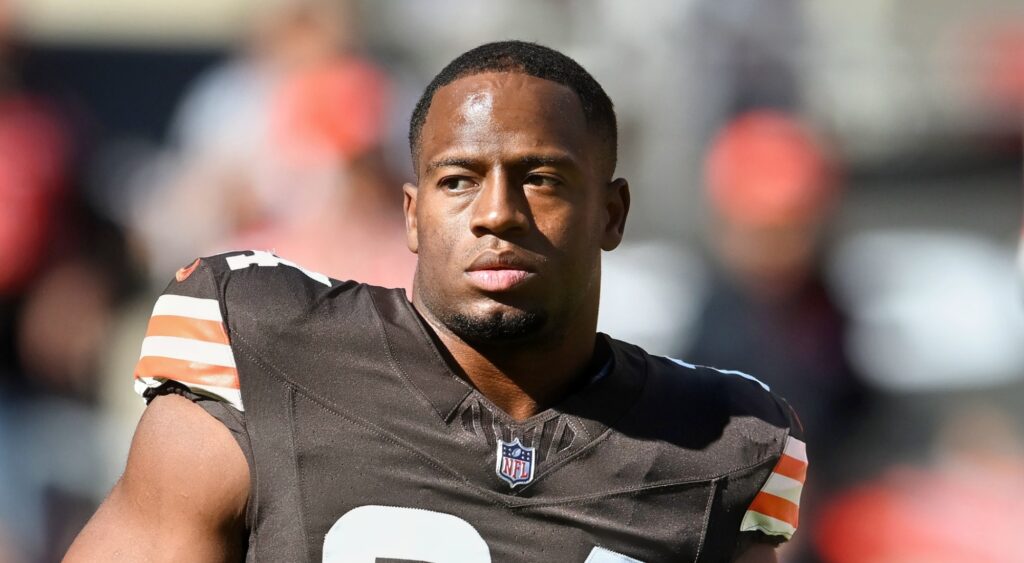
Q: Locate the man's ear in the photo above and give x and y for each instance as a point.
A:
(616, 208)
(409, 205)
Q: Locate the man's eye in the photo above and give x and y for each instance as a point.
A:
(541, 180)
(456, 184)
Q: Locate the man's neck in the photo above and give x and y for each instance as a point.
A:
(522, 378)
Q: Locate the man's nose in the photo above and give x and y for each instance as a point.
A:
(500, 208)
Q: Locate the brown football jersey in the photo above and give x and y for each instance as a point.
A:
(364, 445)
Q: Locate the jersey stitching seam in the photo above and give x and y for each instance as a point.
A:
(395, 365)
(641, 489)
(252, 509)
(634, 491)
(578, 428)
(565, 461)
(436, 354)
(292, 389)
(707, 518)
(220, 279)
(298, 474)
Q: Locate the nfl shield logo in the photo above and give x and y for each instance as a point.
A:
(515, 462)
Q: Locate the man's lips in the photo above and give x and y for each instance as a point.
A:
(495, 272)
(498, 280)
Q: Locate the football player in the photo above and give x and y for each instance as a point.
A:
(294, 417)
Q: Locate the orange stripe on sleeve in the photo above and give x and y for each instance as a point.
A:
(184, 327)
(776, 507)
(187, 372)
(792, 468)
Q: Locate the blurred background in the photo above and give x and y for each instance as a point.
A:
(826, 195)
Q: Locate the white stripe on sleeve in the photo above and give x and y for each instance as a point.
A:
(757, 522)
(191, 307)
(188, 349)
(796, 449)
(785, 487)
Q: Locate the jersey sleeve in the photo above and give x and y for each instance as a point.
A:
(773, 514)
(186, 343)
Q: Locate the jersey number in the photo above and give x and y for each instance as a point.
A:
(368, 534)
(262, 258)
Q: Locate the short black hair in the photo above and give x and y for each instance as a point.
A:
(533, 60)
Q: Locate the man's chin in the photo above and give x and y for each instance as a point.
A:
(495, 327)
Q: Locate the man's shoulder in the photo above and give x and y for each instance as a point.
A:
(261, 284)
(223, 309)
(256, 266)
(266, 296)
(727, 420)
(743, 394)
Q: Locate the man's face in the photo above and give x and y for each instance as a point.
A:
(512, 210)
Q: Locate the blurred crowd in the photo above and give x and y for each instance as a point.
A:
(866, 275)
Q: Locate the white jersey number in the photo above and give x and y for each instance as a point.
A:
(263, 258)
(369, 533)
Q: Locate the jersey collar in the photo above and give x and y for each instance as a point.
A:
(599, 403)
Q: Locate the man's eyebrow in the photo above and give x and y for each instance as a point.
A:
(526, 161)
(534, 161)
(458, 161)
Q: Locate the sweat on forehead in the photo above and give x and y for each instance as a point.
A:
(519, 57)
(525, 97)
(506, 114)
